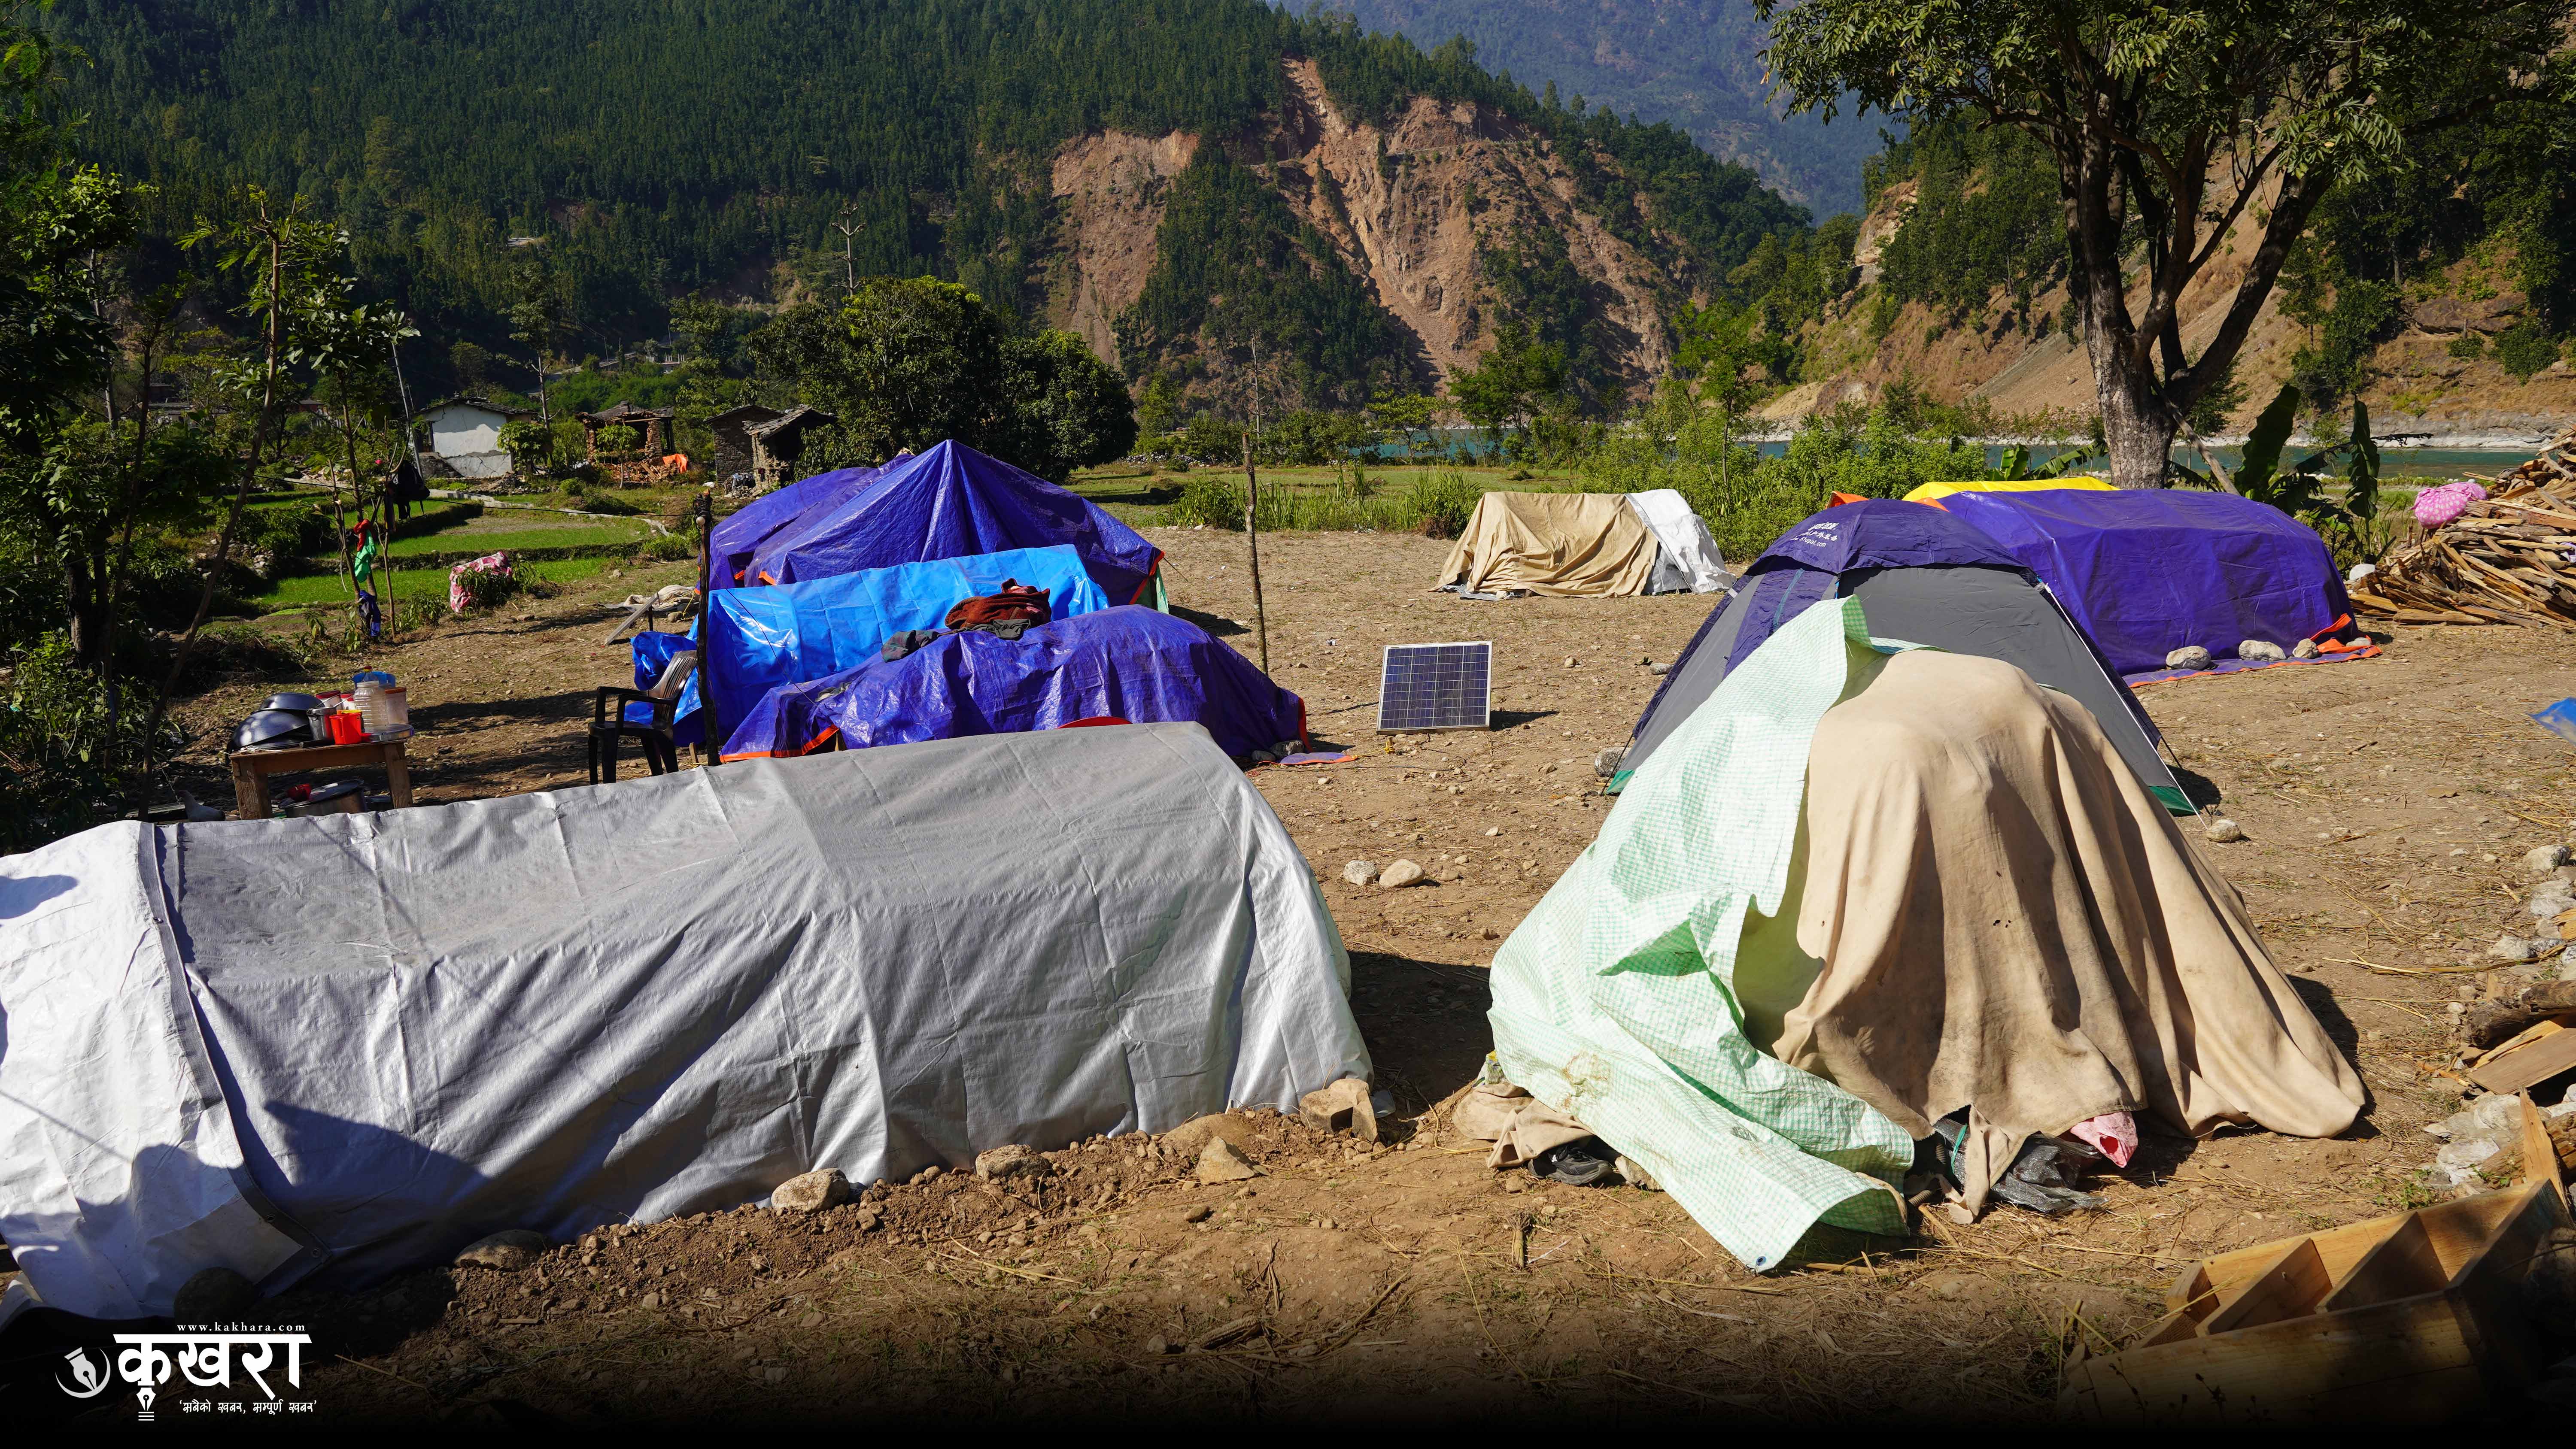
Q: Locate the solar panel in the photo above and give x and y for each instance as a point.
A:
(1436, 687)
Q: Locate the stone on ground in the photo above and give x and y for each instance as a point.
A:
(2189, 656)
(1342, 1107)
(1015, 1160)
(811, 1192)
(1360, 872)
(505, 1252)
(1192, 1137)
(2225, 831)
(1402, 873)
(2259, 649)
(2305, 649)
(2545, 858)
(1220, 1162)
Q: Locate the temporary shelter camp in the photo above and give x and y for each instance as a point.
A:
(338, 1046)
(1861, 888)
(1579, 544)
(2149, 571)
(1924, 577)
(951, 502)
(761, 639)
(1128, 663)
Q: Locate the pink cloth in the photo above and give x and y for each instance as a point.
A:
(2437, 506)
(2115, 1133)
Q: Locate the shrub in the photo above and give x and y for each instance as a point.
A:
(482, 583)
(74, 744)
(1207, 502)
(669, 548)
(2524, 349)
(1442, 501)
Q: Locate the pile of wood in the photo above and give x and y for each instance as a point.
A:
(2508, 560)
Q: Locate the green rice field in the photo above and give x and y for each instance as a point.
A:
(419, 583)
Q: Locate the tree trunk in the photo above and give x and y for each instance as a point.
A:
(82, 597)
(2138, 431)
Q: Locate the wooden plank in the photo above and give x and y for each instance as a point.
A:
(250, 797)
(2539, 1154)
(2338, 1248)
(2527, 1065)
(2188, 1300)
(2291, 1287)
(2485, 1294)
(2403, 1266)
(2402, 1362)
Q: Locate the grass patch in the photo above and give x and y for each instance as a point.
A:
(308, 589)
(1382, 500)
(478, 544)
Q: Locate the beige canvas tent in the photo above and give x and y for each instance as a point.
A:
(1567, 545)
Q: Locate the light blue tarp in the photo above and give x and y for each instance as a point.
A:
(952, 502)
(765, 637)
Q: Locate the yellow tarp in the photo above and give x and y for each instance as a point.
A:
(1930, 491)
(1557, 544)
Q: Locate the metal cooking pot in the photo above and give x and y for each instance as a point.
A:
(274, 729)
(300, 703)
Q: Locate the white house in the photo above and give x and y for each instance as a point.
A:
(466, 435)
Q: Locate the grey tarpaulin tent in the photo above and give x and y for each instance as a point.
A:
(1923, 577)
(351, 1043)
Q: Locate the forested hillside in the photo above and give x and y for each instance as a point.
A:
(1694, 63)
(587, 162)
(2445, 298)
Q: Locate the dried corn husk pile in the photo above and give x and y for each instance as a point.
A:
(2508, 560)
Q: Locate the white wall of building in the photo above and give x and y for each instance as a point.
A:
(468, 438)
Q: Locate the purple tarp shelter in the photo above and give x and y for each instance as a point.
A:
(739, 535)
(2149, 571)
(950, 502)
(1127, 662)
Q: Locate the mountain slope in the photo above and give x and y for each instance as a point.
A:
(641, 150)
(2448, 319)
(1694, 63)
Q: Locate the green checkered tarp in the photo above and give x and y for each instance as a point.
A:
(1616, 1000)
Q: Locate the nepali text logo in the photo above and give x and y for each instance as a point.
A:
(203, 1359)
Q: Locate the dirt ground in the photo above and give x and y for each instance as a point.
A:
(2386, 805)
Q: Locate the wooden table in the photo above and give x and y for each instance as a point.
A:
(251, 769)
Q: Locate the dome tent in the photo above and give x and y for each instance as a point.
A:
(1923, 576)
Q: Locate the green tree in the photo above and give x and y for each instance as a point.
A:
(1511, 384)
(919, 361)
(1063, 407)
(53, 343)
(2167, 124)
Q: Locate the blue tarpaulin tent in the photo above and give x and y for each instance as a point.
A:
(741, 533)
(1129, 663)
(951, 502)
(767, 637)
(2148, 571)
